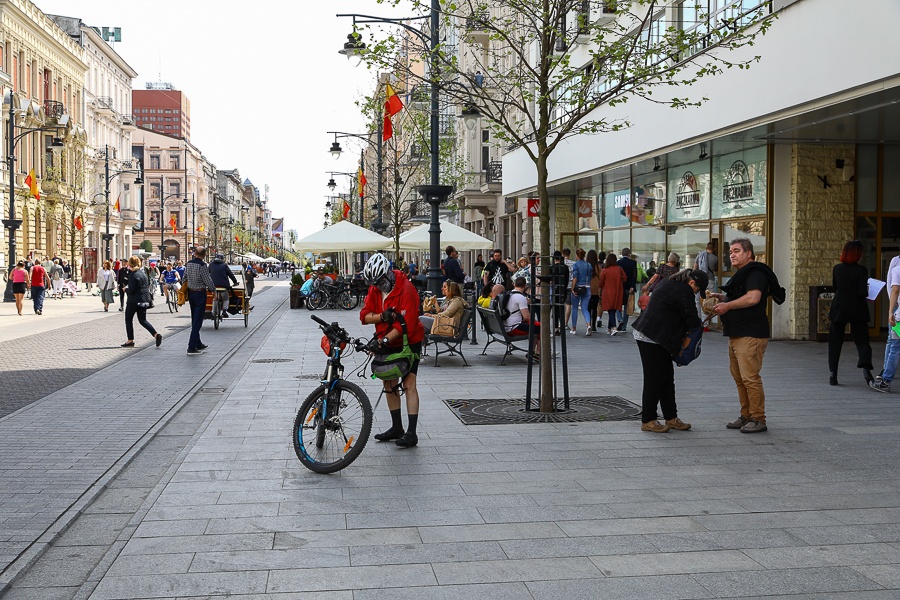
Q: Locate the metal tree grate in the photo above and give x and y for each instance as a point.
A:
(272, 360)
(511, 411)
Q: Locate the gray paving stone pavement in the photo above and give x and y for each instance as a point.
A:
(217, 505)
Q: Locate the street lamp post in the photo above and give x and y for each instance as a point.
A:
(193, 219)
(434, 193)
(331, 185)
(138, 181)
(12, 223)
(378, 226)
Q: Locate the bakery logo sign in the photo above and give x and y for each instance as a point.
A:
(688, 195)
(738, 185)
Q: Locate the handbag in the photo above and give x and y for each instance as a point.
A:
(182, 295)
(580, 290)
(690, 347)
(443, 326)
(395, 365)
(643, 301)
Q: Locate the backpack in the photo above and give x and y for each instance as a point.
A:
(503, 305)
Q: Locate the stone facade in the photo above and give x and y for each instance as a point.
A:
(821, 223)
(563, 221)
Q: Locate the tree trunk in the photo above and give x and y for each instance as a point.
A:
(547, 396)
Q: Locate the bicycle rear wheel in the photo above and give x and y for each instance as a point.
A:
(326, 443)
(345, 300)
(170, 302)
(317, 301)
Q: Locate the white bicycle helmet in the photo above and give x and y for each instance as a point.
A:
(376, 267)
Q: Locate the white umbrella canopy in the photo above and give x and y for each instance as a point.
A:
(271, 259)
(343, 236)
(418, 238)
(250, 256)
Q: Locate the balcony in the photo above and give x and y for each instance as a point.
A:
(421, 95)
(54, 109)
(478, 192)
(129, 216)
(128, 122)
(494, 172)
(476, 27)
(104, 105)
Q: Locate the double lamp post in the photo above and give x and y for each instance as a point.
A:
(434, 193)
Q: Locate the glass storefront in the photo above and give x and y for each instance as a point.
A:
(680, 207)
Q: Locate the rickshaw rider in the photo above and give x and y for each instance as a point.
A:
(221, 274)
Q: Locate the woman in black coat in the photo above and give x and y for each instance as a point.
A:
(659, 332)
(851, 286)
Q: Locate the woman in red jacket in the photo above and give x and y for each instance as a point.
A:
(390, 294)
(612, 290)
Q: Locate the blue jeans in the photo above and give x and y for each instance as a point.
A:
(583, 301)
(37, 296)
(891, 357)
(622, 315)
(197, 300)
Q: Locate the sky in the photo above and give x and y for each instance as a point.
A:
(264, 79)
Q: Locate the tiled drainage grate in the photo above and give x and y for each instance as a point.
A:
(505, 411)
(212, 390)
(272, 360)
(310, 377)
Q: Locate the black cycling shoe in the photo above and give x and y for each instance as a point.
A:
(390, 434)
(408, 440)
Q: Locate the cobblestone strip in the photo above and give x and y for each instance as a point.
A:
(58, 453)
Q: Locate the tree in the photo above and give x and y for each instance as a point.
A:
(541, 71)
(65, 183)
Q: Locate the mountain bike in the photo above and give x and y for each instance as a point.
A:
(333, 424)
(171, 298)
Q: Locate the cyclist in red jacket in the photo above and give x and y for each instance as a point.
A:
(391, 294)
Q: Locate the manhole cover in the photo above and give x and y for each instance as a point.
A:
(505, 411)
(212, 390)
(272, 360)
(310, 377)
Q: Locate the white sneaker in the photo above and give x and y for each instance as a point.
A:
(573, 331)
(588, 333)
(613, 332)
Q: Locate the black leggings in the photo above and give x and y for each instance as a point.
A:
(859, 331)
(592, 308)
(659, 382)
(141, 312)
(612, 318)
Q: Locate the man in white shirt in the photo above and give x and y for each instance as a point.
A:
(882, 383)
(519, 315)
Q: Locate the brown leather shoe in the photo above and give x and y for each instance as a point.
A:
(678, 424)
(655, 427)
(754, 426)
(738, 423)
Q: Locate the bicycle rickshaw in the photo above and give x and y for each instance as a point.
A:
(215, 300)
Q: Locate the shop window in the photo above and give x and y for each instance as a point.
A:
(867, 178)
(890, 196)
(614, 240)
(617, 203)
(686, 241)
(688, 197)
(648, 200)
(739, 184)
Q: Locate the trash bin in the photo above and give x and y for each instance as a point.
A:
(820, 298)
(295, 298)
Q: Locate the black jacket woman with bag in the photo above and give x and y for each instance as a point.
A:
(851, 287)
(139, 300)
(659, 332)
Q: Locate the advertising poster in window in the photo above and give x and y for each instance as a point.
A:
(617, 206)
(648, 204)
(739, 184)
(587, 216)
(689, 193)
(89, 265)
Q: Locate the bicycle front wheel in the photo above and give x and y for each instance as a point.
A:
(332, 428)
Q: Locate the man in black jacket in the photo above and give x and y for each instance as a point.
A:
(223, 278)
(452, 269)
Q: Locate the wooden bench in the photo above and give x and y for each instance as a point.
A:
(493, 329)
(453, 344)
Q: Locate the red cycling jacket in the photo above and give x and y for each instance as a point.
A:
(404, 299)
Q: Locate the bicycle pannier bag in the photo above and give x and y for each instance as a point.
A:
(397, 364)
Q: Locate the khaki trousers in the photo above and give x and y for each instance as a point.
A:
(745, 357)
